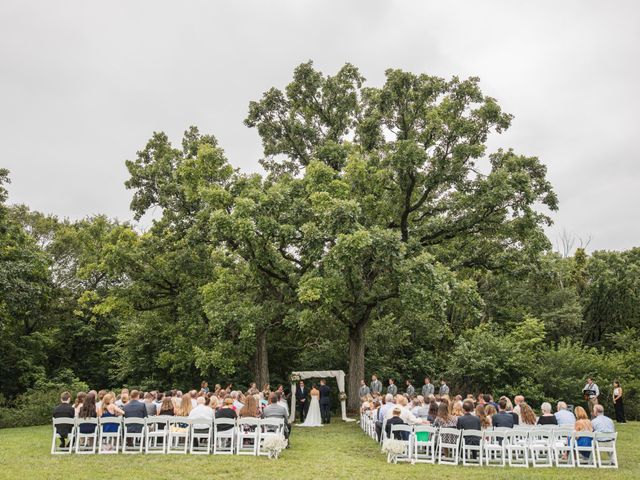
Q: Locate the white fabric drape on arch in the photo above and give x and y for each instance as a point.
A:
(337, 374)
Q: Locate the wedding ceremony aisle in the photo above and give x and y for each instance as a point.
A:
(338, 450)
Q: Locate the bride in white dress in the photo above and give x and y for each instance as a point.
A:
(313, 418)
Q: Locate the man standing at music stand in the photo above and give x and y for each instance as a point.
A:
(591, 393)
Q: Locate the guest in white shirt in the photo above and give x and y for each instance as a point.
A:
(602, 423)
(405, 412)
(387, 407)
(201, 411)
(564, 416)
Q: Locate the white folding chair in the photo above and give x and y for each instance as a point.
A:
(201, 433)
(156, 434)
(405, 456)
(494, 447)
(370, 425)
(562, 444)
(541, 447)
(383, 433)
(86, 443)
(224, 436)
(424, 450)
(109, 441)
(472, 452)
(269, 427)
(585, 455)
(70, 423)
(606, 443)
(449, 440)
(517, 447)
(134, 431)
(248, 436)
(178, 433)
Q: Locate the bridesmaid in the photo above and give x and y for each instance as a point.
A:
(618, 402)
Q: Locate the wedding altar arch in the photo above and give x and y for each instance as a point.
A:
(295, 377)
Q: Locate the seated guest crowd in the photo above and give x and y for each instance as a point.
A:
(203, 403)
(475, 413)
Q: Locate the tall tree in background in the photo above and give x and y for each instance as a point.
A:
(409, 183)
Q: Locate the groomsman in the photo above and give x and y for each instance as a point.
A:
(364, 390)
(428, 388)
(376, 385)
(392, 388)
(444, 388)
(411, 391)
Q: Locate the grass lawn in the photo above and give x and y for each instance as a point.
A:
(336, 451)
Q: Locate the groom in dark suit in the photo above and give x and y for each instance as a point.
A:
(301, 399)
(325, 401)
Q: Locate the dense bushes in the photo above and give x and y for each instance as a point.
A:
(34, 406)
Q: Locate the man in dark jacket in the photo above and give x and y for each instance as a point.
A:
(502, 418)
(469, 422)
(325, 401)
(64, 410)
(135, 409)
(396, 420)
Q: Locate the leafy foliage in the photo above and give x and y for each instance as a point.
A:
(384, 238)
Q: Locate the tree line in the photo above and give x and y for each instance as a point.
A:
(382, 238)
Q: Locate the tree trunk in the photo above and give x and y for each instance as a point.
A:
(262, 358)
(356, 364)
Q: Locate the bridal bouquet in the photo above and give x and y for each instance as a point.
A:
(274, 445)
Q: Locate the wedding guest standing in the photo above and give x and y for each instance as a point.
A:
(392, 388)
(618, 402)
(363, 391)
(428, 388)
(376, 385)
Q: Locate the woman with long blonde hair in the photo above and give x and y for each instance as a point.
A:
(583, 424)
(185, 406)
(456, 410)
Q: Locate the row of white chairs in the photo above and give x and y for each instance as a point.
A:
(539, 446)
(166, 434)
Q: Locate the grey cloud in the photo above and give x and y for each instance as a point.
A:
(84, 84)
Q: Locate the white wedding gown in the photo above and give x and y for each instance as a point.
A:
(313, 418)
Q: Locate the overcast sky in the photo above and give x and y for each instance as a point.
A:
(84, 84)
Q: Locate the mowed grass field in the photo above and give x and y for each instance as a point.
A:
(339, 450)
